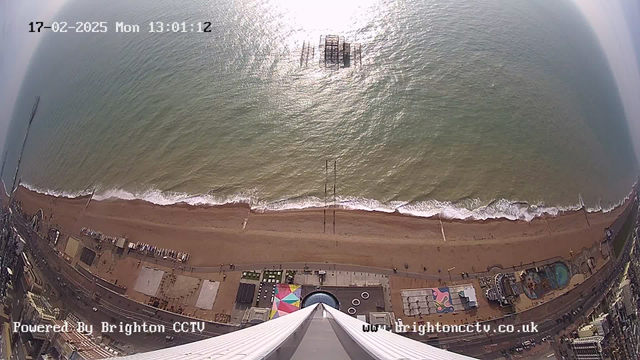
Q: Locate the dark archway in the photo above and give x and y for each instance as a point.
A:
(321, 297)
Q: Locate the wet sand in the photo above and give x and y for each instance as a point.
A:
(215, 234)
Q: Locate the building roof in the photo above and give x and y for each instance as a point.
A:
(120, 242)
(587, 331)
(25, 259)
(245, 293)
(381, 318)
(624, 283)
(85, 347)
(588, 339)
(256, 314)
(41, 305)
(470, 293)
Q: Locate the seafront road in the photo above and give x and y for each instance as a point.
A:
(115, 306)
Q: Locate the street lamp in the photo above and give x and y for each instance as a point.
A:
(449, 270)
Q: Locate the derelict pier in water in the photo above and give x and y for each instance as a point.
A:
(334, 53)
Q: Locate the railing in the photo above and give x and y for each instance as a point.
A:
(256, 342)
(384, 344)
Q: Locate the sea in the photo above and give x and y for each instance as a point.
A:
(468, 109)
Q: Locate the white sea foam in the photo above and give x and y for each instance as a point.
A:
(169, 198)
(472, 209)
(65, 194)
(499, 209)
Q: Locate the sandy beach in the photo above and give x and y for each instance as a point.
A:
(215, 234)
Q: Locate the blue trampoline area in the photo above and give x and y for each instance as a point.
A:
(562, 274)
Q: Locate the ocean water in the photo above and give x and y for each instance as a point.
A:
(475, 108)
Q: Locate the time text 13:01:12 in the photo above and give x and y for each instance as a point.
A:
(159, 27)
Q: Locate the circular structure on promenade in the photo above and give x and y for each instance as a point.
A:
(320, 297)
(355, 302)
(364, 295)
(351, 311)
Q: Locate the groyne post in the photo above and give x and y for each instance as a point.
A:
(88, 201)
(335, 178)
(324, 211)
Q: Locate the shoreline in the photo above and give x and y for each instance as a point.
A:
(215, 235)
(482, 213)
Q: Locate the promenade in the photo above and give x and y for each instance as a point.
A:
(116, 306)
(119, 305)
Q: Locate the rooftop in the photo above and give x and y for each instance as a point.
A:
(41, 304)
(588, 339)
(85, 346)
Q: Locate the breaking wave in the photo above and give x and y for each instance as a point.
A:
(64, 194)
(473, 209)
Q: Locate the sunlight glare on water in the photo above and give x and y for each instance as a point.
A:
(331, 16)
(468, 109)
